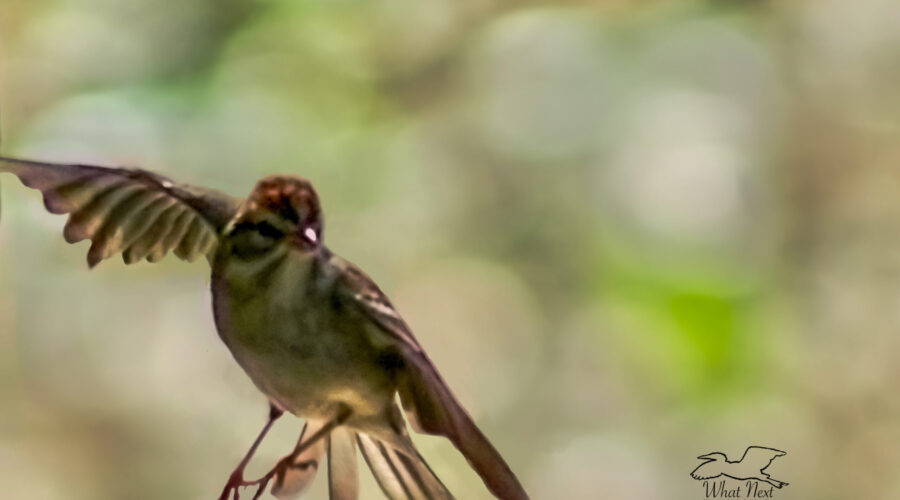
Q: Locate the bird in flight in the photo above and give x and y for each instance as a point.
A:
(752, 465)
(313, 332)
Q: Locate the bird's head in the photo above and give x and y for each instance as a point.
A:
(714, 457)
(281, 208)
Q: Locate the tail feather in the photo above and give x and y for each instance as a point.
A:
(343, 474)
(401, 476)
(298, 477)
(432, 408)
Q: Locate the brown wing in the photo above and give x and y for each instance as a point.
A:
(139, 213)
(425, 396)
(435, 410)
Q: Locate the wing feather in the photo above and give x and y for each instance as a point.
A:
(85, 220)
(189, 247)
(428, 400)
(173, 237)
(134, 212)
(157, 227)
(118, 227)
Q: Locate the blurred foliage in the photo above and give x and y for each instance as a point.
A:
(628, 232)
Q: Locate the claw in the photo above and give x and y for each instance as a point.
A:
(280, 470)
(276, 473)
(236, 479)
(235, 482)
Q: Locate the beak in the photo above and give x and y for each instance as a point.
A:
(706, 457)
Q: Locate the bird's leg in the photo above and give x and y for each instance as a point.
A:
(278, 472)
(774, 482)
(236, 480)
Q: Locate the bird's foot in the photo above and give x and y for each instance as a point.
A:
(776, 483)
(232, 487)
(236, 479)
(278, 474)
(290, 462)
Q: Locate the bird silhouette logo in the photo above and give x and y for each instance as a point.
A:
(751, 466)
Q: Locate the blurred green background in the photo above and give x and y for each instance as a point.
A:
(628, 232)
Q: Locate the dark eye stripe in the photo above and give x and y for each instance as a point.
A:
(243, 227)
(264, 228)
(269, 231)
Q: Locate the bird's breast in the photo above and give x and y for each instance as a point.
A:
(281, 326)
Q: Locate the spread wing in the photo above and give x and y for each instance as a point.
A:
(138, 213)
(761, 456)
(425, 396)
(706, 471)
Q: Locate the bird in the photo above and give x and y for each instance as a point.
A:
(752, 465)
(312, 331)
